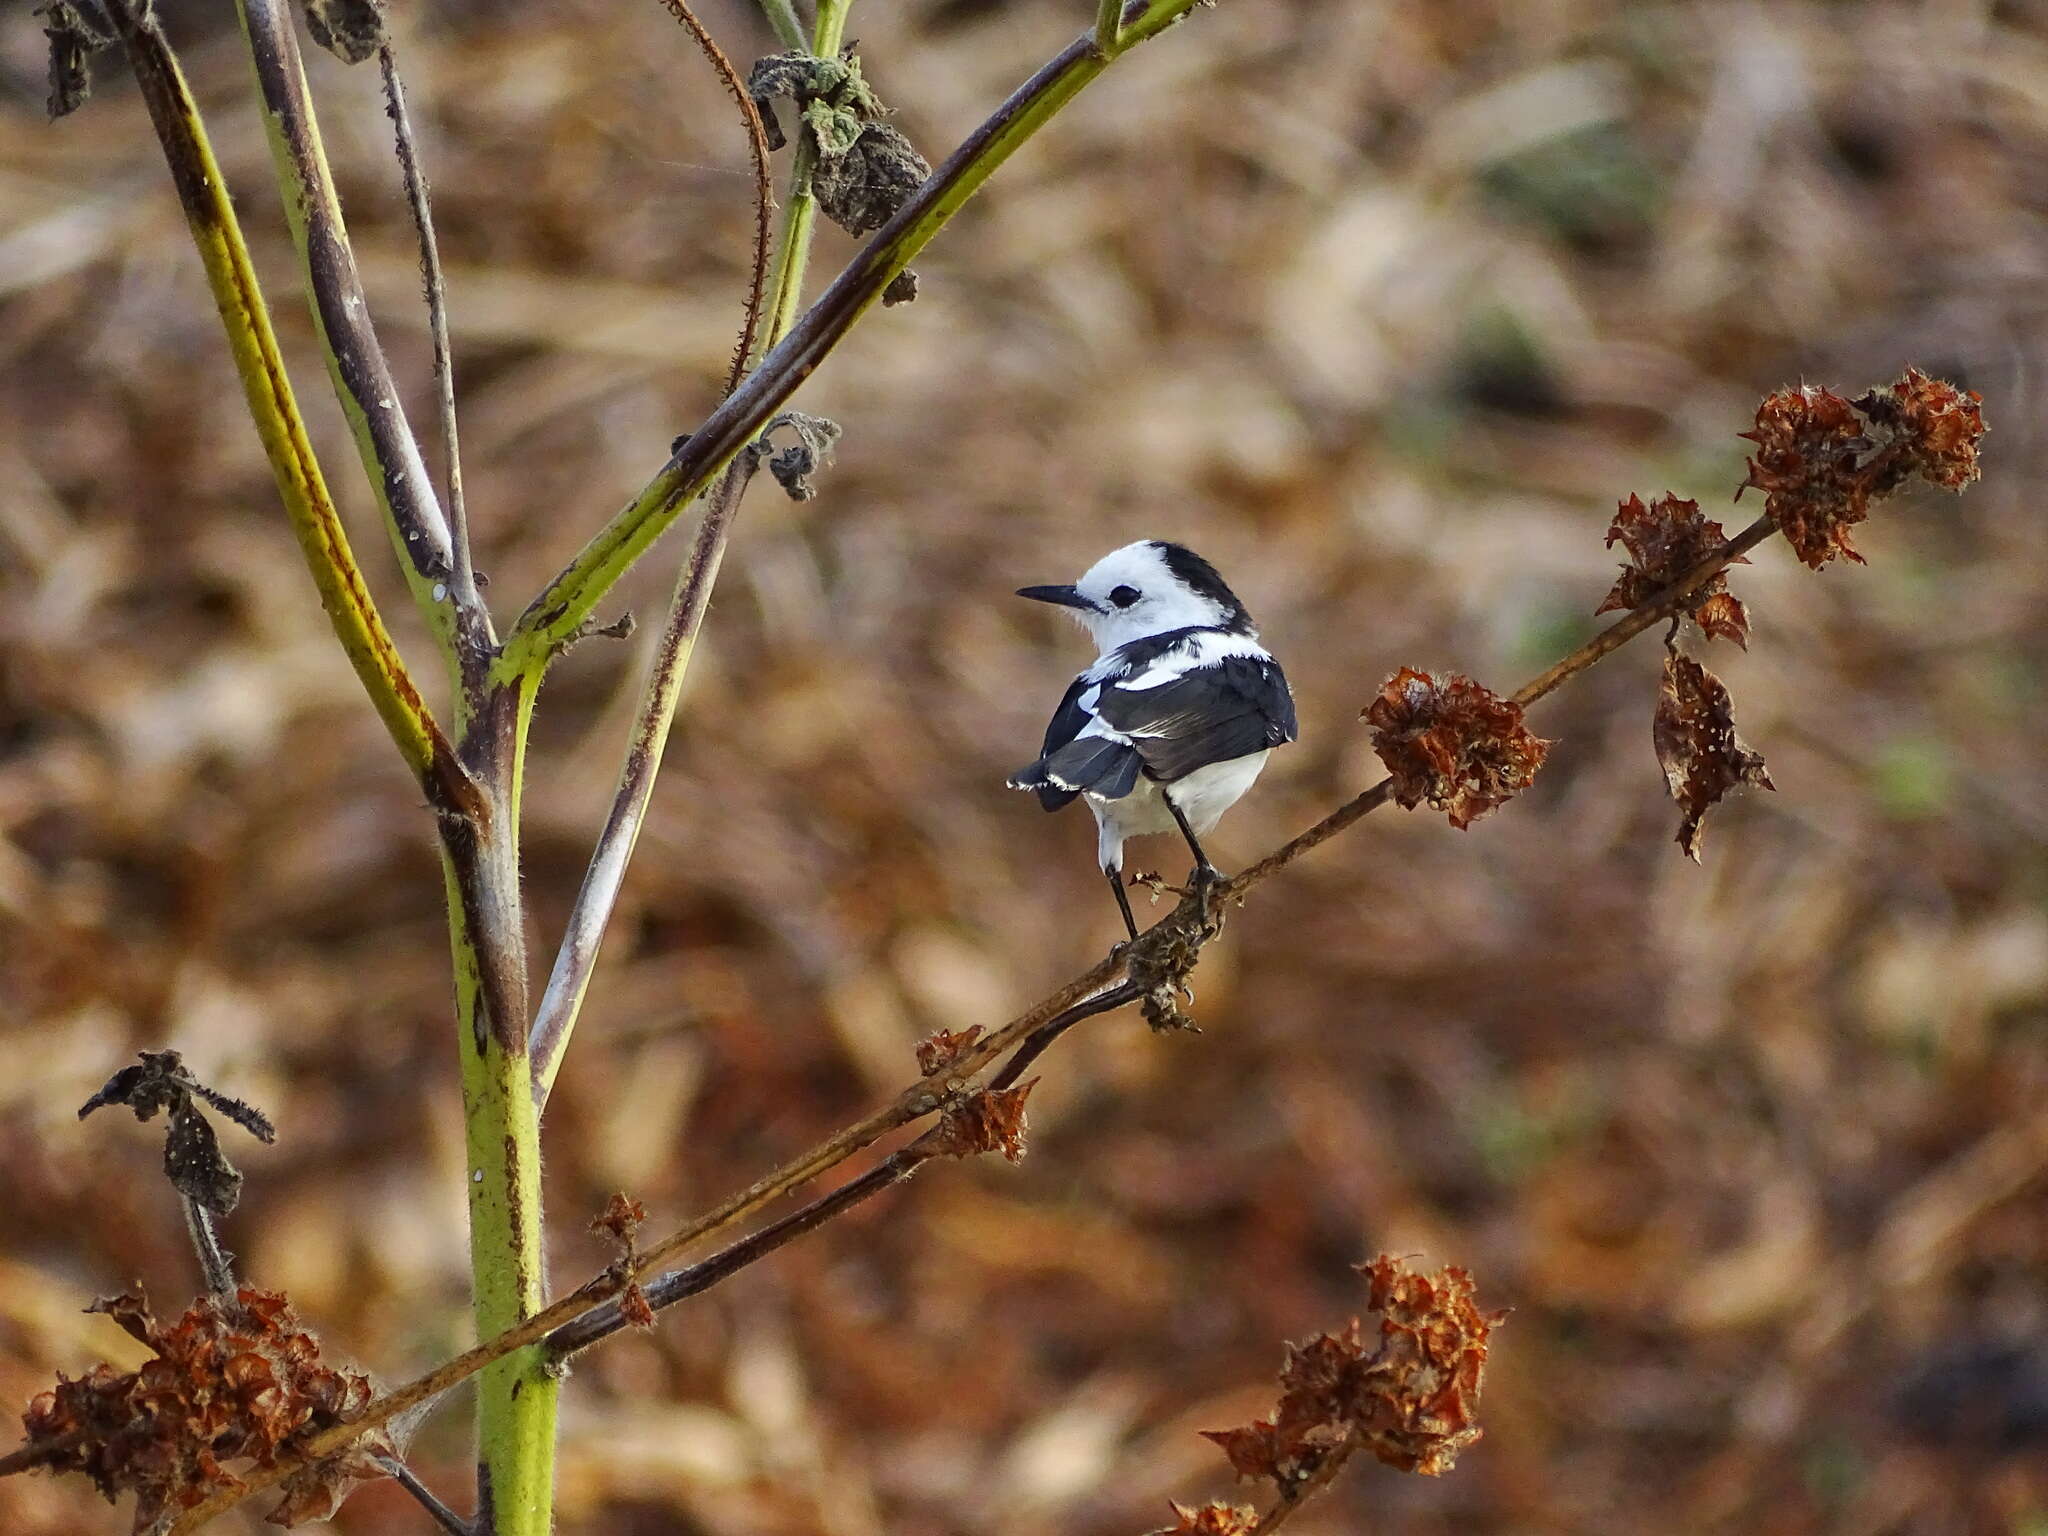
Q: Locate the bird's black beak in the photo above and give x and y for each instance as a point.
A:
(1066, 597)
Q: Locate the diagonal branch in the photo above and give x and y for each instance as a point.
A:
(576, 959)
(570, 597)
(246, 318)
(583, 935)
(362, 379)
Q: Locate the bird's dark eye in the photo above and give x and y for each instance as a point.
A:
(1123, 597)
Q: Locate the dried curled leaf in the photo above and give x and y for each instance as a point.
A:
(865, 169)
(232, 1379)
(1664, 540)
(1701, 755)
(1456, 744)
(861, 188)
(792, 467)
(941, 1050)
(830, 95)
(902, 289)
(620, 1219)
(351, 30)
(1212, 1519)
(1412, 1399)
(989, 1121)
(1822, 460)
(76, 32)
(193, 1160)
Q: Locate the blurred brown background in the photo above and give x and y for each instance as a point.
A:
(1382, 307)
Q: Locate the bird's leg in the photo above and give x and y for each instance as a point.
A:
(1123, 902)
(1205, 874)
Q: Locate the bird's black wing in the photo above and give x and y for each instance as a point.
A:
(1228, 709)
(1069, 720)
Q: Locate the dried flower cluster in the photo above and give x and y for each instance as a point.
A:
(1411, 1399)
(1455, 744)
(1665, 540)
(231, 1379)
(1212, 1519)
(1822, 460)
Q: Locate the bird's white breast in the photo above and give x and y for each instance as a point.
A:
(1203, 797)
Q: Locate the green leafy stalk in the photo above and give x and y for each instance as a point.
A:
(570, 597)
(363, 385)
(1109, 24)
(516, 1398)
(480, 838)
(800, 215)
(245, 317)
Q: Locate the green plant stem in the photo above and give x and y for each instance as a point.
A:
(516, 1397)
(369, 397)
(570, 597)
(800, 218)
(252, 341)
(830, 34)
(1109, 24)
(782, 17)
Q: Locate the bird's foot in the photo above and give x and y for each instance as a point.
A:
(1201, 881)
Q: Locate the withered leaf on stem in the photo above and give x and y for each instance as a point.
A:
(76, 31)
(861, 189)
(1822, 460)
(620, 1219)
(1455, 744)
(620, 1222)
(1412, 1399)
(193, 1160)
(941, 1050)
(1701, 755)
(1664, 540)
(989, 1121)
(793, 466)
(865, 168)
(351, 30)
(234, 1378)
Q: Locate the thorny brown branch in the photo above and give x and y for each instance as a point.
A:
(764, 192)
(1080, 996)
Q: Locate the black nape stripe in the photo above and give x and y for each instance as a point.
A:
(1203, 579)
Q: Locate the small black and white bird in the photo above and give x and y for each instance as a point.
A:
(1177, 715)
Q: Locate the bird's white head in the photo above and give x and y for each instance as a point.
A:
(1145, 589)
